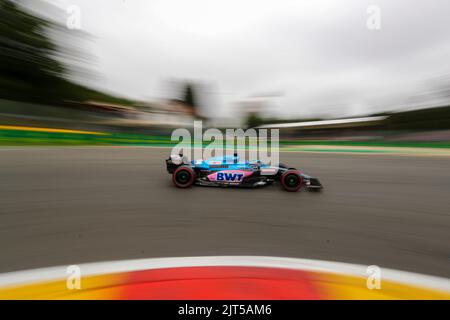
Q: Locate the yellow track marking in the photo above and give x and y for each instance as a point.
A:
(36, 129)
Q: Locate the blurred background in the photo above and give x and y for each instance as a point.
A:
(360, 91)
(142, 68)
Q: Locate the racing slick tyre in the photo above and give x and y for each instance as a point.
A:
(291, 180)
(183, 177)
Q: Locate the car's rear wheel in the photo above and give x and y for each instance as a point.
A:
(291, 180)
(183, 177)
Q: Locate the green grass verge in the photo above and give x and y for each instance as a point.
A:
(22, 137)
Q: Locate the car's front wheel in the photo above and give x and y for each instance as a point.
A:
(183, 177)
(291, 180)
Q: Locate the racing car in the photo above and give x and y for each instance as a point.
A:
(228, 171)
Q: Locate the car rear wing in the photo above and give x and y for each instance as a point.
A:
(175, 161)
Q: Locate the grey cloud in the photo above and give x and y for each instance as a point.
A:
(318, 53)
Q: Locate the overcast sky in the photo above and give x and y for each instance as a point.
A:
(314, 57)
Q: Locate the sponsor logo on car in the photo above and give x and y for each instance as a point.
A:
(229, 176)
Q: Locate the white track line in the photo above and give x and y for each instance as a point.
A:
(98, 268)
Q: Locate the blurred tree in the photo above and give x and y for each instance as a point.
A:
(422, 119)
(190, 99)
(189, 95)
(254, 120)
(29, 68)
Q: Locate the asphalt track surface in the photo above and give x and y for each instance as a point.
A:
(61, 206)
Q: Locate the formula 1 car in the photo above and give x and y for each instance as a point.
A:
(229, 171)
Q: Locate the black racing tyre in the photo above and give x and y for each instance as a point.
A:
(291, 180)
(183, 177)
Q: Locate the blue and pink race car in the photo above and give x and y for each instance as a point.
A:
(229, 171)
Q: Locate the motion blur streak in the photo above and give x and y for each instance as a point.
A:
(66, 205)
(91, 92)
(227, 277)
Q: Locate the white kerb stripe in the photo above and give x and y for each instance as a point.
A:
(99, 268)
